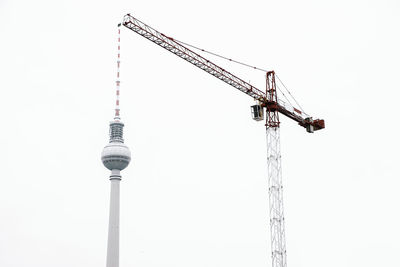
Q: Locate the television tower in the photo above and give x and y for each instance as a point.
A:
(115, 157)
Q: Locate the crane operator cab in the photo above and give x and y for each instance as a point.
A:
(257, 113)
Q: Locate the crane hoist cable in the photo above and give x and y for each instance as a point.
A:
(248, 66)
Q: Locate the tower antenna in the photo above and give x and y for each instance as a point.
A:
(118, 82)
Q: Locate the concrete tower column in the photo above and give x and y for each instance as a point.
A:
(113, 225)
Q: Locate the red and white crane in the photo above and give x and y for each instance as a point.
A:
(268, 101)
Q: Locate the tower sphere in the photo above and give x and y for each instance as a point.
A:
(116, 156)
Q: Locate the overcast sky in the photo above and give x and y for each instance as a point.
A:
(195, 193)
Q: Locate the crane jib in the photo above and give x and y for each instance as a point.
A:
(206, 65)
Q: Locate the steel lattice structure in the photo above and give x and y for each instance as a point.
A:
(275, 187)
(267, 100)
(277, 219)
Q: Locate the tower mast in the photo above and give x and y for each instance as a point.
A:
(277, 219)
(115, 157)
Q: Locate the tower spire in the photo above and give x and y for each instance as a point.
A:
(118, 82)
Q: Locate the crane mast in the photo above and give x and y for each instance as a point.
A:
(267, 100)
(275, 186)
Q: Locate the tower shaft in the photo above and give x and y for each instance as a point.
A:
(113, 226)
(277, 219)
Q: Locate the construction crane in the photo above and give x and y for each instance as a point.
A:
(268, 101)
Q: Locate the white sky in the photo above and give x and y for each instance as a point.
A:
(195, 193)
